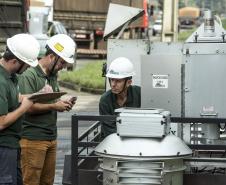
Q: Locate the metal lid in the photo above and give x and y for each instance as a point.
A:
(170, 146)
(118, 16)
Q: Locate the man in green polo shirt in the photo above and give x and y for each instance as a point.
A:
(38, 143)
(121, 94)
(17, 57)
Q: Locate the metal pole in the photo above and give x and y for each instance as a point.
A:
(74, 151)
(170, 21)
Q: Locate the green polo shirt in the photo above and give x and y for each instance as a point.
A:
(38, 126)
(108, 104)
(10, 136)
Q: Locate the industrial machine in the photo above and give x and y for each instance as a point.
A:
(157, 157)
(186, 79)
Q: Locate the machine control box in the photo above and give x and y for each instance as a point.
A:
(134, 122)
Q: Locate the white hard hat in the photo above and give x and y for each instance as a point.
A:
(120, 68)
(25, 47)
(63, 46)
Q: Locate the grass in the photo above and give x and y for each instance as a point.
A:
(224, 23)
(185, 34)
(89, 76)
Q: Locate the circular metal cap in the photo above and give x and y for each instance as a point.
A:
(169, 146)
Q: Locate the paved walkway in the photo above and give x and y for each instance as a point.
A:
(86, 104)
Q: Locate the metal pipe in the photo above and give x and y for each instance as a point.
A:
(74, 151)
(198, 159)
(209, 28)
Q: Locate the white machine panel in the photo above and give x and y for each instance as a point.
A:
(161, 82)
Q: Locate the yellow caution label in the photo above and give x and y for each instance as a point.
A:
(58, 47)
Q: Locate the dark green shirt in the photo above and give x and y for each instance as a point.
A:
(108, 104)
(10, 136)
(38, 126)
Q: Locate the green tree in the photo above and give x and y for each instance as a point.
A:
(181, 3)
(191, 2)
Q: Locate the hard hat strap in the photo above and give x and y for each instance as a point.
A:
(21, 67)
(54, 65)
(124, 87)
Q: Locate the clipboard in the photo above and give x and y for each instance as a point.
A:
(45, 97)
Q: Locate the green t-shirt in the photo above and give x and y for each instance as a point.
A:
(108, 104)
(38, 126)
(10, 136)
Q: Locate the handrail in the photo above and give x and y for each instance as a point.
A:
(89, 130)
(76, 141)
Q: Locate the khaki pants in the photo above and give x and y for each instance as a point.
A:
(38, 159)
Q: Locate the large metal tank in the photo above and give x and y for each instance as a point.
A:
(142, 160)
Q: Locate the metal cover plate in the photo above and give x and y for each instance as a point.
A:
(169, 146)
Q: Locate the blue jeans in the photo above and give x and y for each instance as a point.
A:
(10, 171)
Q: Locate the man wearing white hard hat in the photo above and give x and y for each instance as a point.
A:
(121, 94)
(38, 143)
(21, 51)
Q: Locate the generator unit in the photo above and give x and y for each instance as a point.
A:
(187, 79)
(178, 135)
(140, 152)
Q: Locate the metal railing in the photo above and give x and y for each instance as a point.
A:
(77, 142)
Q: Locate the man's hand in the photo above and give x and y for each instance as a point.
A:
(63, 106)
(46, 89)
(11, 117)
(26, 103)
(73, 100)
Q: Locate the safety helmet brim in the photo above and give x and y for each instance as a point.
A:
(118, 76)
(68, 60)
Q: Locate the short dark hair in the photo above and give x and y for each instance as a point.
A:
(8, 55)
(129, 78)
(49, 51)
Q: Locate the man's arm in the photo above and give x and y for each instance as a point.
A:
(27, 85)
(39, 108)
(11, 117)
(107, 127)
(103, 109)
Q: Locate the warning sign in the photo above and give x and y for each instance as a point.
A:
(160, 81)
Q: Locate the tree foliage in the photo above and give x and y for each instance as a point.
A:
(216, 6)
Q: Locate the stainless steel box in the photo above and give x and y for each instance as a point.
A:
(143, 122)
(161, 78)
(204, 79)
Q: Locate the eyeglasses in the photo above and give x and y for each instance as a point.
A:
(63, 62)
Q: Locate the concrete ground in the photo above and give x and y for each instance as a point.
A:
(86, 104)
